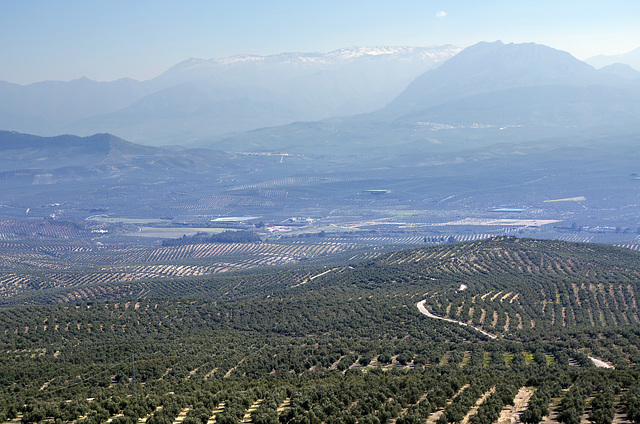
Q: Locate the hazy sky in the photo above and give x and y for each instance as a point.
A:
(109, 39)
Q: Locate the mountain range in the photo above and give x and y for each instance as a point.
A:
(496, 125)
(20, 151)
(199, 98)
(488, 93)
(631, 58)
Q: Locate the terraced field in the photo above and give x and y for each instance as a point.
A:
(516, 286)
(29, 268)
(342, 342)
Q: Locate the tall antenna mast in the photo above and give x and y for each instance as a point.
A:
(133, 373)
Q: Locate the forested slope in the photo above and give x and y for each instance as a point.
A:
(337, 343)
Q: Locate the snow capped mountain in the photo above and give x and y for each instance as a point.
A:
(436, 54)
(488, 93)
(245, 92)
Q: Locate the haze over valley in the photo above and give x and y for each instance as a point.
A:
(387, 234)
(484, 143)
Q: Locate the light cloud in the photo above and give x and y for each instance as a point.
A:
(441, 14)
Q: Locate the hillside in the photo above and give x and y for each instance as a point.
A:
(486, 67)
(513, 285)
(340, 342)
(507, 286)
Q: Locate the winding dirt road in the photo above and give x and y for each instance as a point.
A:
(424, 311)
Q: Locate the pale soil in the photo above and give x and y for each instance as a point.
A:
(434, 417)
(219, 409)
(144, 419)
(113, 417)
(554, 409)
(505, 296)
(511, 413)
(16, 420)
(247, 415)
(600, 363)
(228, 374)
(182, 415)
(356, 364)
(621, 415)
(284, 405)
(44, 386)
(334, 366)
(479, 402)
(210, 373)
(166, 373)
(192, 372)
(404, 410)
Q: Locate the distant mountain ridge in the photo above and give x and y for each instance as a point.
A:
(519, 84)
(20, 151)
(530, 90)
(47, 107)
(336, 56)
(621, 70)
(350, 100)
(486, 67)
(198, 98)
(631, 58)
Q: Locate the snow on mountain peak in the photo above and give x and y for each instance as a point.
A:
(344, 55)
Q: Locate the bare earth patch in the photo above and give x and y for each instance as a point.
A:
(479, 402)
(215, 412)
(434, 417)
(600, 363)
(228, 374)
(511, 413)
(182, 415)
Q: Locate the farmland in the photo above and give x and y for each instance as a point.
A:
(54, 267)
(337, 342)
(315, 319)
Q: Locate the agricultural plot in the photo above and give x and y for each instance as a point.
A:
(298, 182)
(86, 267)
(560, 292)
(43, 230)
(630, 246)
(343, 343)
(576, 238)
(217, 203)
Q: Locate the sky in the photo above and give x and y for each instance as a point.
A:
(109, 39)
